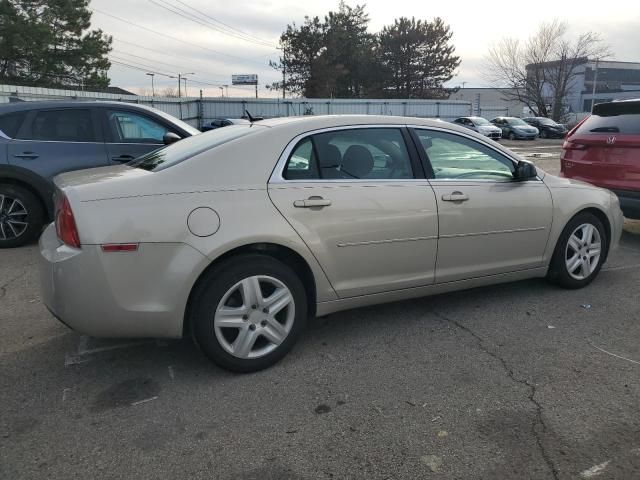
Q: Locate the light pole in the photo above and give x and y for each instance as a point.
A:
(226, 90)
(221, 92)
(595, 81)
(186, 94)
(153, 91)
(180, 75)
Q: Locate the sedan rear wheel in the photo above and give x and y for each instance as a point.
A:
(512, 136)
(248, 312)
(580, 252)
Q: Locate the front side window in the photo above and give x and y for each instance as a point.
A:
(129, 127)
(353, 154)
(453, 157)
(69, 125)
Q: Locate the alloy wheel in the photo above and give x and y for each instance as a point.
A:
(582, 254)
(254, 317)
(13, 218)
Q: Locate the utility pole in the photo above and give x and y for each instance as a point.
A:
(221, 92)
(256, 90)
(153, 92)
(284, 68)
(226, 90)
(185, 87)
(595, 81)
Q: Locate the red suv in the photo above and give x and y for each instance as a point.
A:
(604, 149)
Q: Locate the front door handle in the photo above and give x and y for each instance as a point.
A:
(312, 202)
(27, 155)
(123, 158)
(455, 197)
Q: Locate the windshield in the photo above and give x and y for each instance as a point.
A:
(517, 121)
(189, 147)
(546, 121)
(480, 121)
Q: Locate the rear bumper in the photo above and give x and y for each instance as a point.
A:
(123, 294)
(629, 202)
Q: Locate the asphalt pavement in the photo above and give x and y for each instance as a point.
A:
(517, 381)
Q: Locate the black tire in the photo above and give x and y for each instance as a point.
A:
(558, 270)
(34, 216)
(543, 134)
(216, 284)
(512, 136)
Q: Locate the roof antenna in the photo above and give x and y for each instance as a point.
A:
(251, 119)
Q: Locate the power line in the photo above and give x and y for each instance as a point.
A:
(140, 65)
(171, 65)
(193, 18)
(225, 24)
(174, 38)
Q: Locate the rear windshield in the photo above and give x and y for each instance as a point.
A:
(627, 123)
(190, 147)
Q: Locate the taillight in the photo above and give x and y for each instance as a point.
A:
(568, 145)
(65, 223)
(572, 131)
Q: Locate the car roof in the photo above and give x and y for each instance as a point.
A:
(22, 106)
(321, 121)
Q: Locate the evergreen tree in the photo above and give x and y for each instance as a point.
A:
(48, 43)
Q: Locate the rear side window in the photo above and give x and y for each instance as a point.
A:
(628, 123)
(69, 125)
(11, 123)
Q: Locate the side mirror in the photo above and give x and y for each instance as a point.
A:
(525, 171)
(170, 138)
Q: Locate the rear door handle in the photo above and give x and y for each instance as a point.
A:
(27, 155)
(123, 158)
(455, 197)
(312, 202)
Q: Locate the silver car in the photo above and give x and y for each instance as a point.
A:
(480, 125)
(239, 235)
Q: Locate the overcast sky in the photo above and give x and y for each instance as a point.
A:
(214, 56)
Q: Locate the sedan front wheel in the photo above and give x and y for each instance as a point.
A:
(248, 312)
(580, 252)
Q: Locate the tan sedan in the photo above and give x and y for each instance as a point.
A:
(237, 236)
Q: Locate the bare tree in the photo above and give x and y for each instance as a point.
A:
(169, 92)
(542, 70)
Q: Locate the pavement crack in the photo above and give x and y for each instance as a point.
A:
(3, 287)
(538, 423)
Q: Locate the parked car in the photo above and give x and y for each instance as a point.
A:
(237, 236)
(223, 122)
(515, 128)
(480, 125)
(39, 140)
(605, 150)
(547, 127)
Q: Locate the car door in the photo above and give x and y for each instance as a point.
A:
(490, 223)
(56, 140)
(130, 134)
(358, 198)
